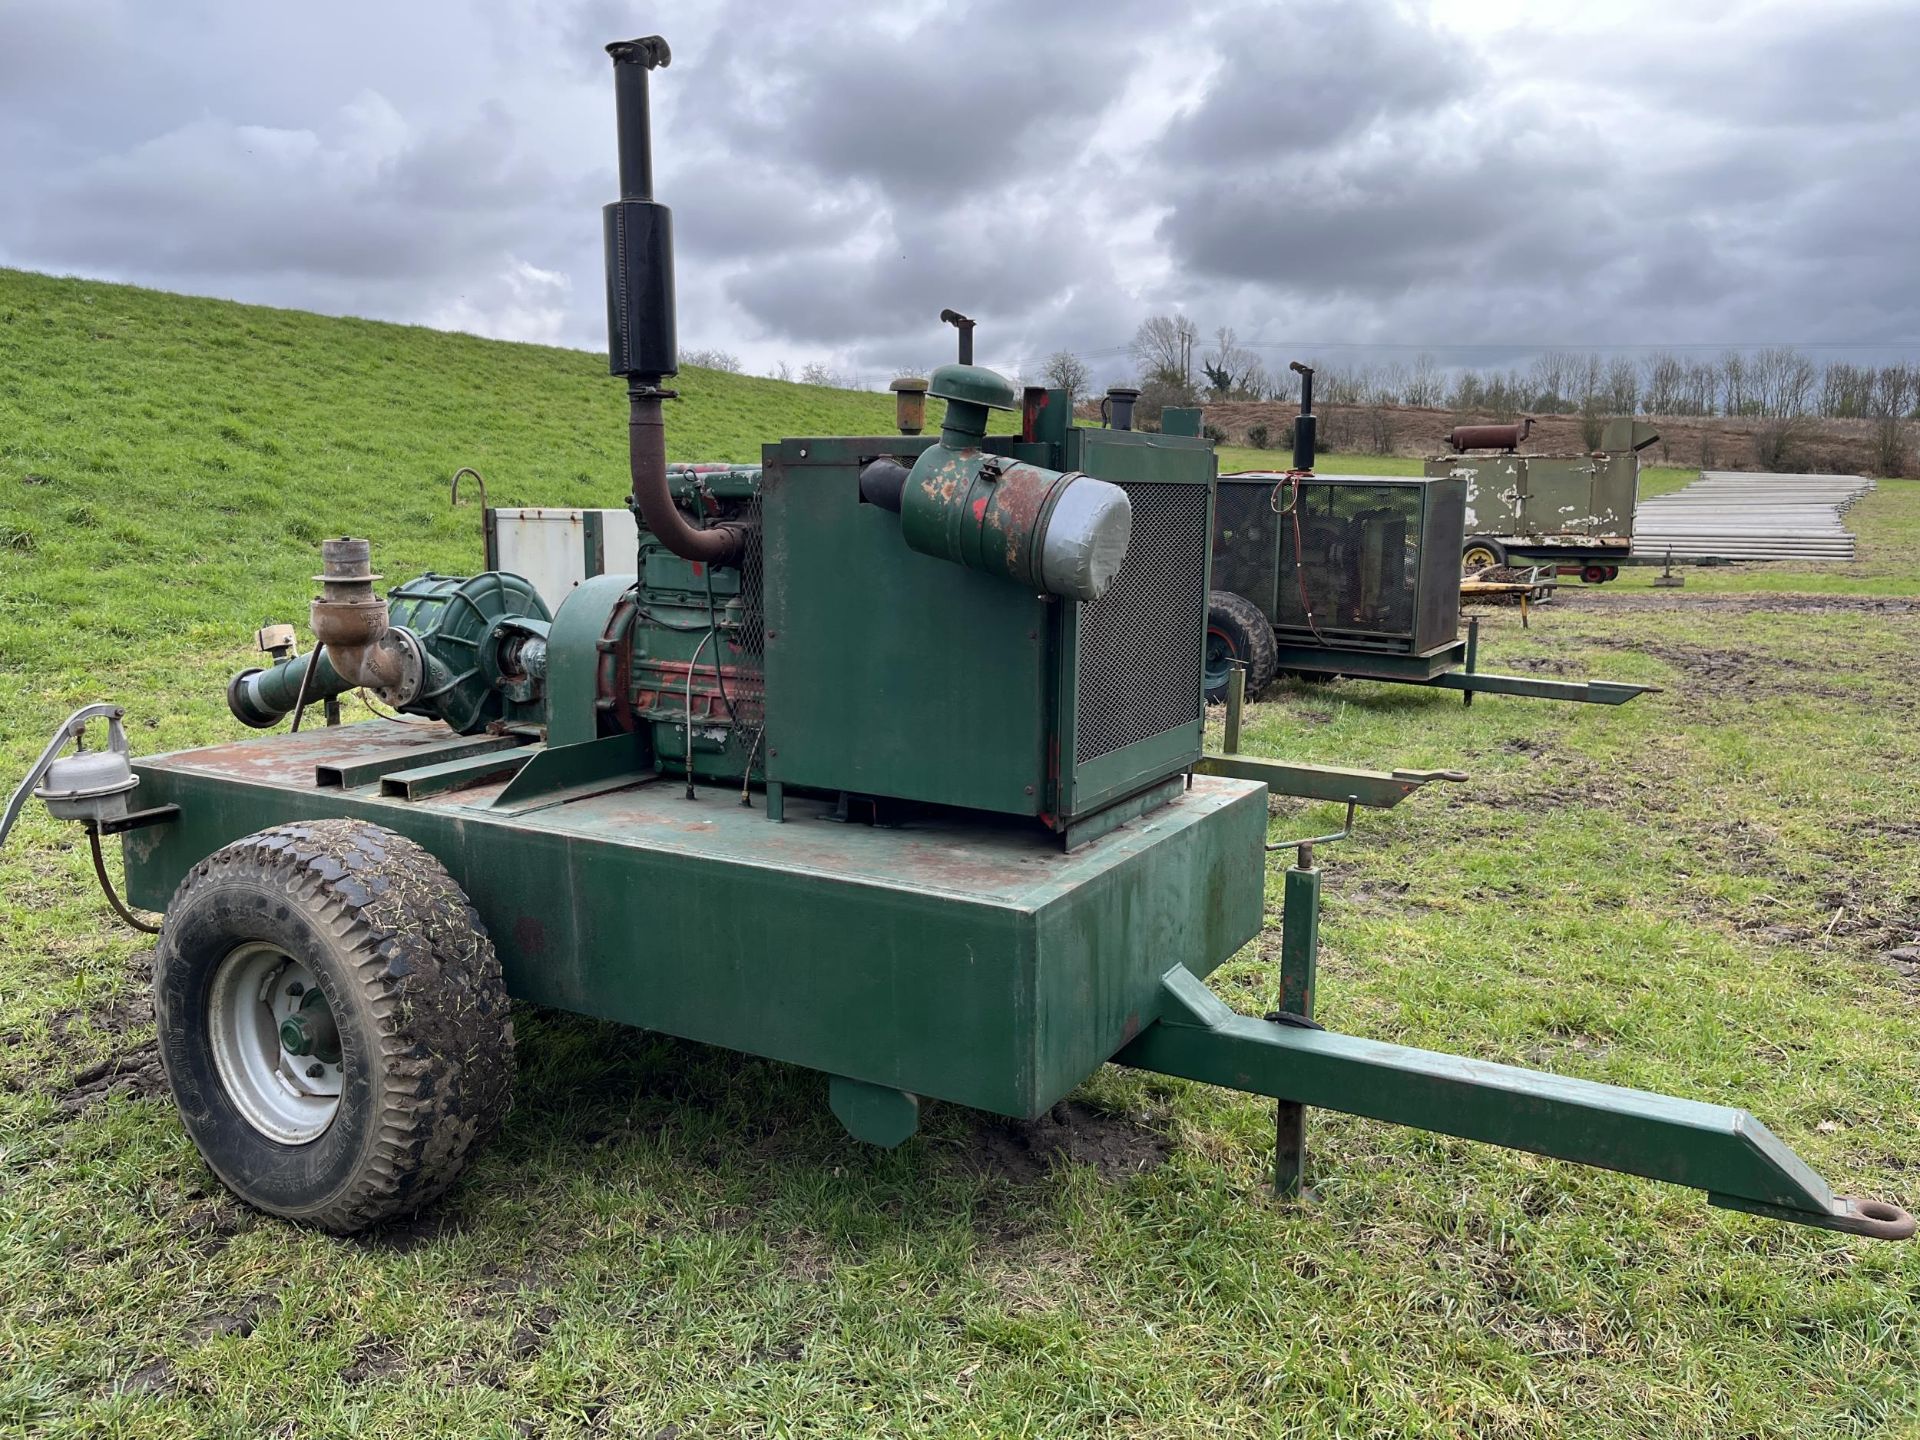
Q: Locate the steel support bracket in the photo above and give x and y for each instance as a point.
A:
(1372, 788)
(1593, 692)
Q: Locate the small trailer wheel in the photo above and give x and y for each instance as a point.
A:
(332, 1021)
(1237, 631)
(1480, 552)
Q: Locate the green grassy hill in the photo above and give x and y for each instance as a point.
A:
(159, 452)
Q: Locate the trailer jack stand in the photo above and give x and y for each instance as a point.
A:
(1299, 964)
(1725, 1152)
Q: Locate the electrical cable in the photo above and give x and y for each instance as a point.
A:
(1291, 511)
(746, 775)
(367, 700)
(691, 664)
(659, 624)
(106, 886)
(713, 626)
(300, 700)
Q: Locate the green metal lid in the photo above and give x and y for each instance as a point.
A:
(973, 384)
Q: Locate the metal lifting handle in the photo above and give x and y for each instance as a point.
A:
(72, 729)
(478, 479)
(1305, 847)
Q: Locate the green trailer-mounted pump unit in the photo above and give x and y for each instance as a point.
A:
(881, 758)
(1351, 575)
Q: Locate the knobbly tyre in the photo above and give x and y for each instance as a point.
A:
(882, 760)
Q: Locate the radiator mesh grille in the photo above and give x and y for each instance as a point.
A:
(750, 636)
(1141, 642)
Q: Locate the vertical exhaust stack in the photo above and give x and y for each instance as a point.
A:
(641, 343)
(1304, 428)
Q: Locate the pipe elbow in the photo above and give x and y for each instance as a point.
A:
(647, 455)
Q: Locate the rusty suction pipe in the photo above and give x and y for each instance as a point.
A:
(351, 621)
(640, 319)
(355, 646)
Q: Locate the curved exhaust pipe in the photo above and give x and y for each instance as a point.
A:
(641, 343)
(724, 544)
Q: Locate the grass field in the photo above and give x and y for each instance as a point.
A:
(1700, 892)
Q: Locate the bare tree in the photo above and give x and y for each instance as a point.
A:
(1702, 385)
(1229, 366)
(1589, 382)
(1424, 382)
(1553, 379)
(1846, 391)
(1066, 371)
(1163, 349)
(1622, 387)
(1338, 385)
(1777, 441)
(1780, 382)
(1733, 383)
(819, 372)
(1469, 391)
(712, 360)
(1895, 391)
(1662, 384)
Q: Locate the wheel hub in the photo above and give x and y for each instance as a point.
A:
(1220, 658)
(310, 1030)
(276, 1044)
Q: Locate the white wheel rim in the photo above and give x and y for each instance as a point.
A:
(255, 988)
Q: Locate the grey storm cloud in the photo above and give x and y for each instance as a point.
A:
(1295, 79)
(1628, 172)
(908, 110)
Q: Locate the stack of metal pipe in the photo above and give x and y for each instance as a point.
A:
(1753, 517)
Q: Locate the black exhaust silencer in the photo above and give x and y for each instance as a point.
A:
(1306, 425)
(641, 340)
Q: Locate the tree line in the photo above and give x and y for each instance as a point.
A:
(1778, 382)
(1174, 367)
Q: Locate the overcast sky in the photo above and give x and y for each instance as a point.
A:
(1487, 175)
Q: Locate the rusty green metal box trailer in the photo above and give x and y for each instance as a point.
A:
(1573, 508)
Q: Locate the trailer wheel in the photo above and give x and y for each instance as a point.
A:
(1480, 552)
(1237, 631)
(333, 1022)
(1594, 575)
